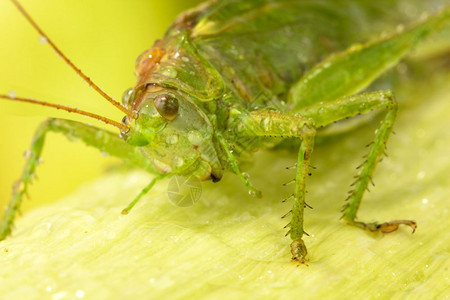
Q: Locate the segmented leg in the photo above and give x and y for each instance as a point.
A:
(105, 141)
(348, 107)
(235, 167)
(298, 248)
(275, 124)
(320, 95)
(144, 191)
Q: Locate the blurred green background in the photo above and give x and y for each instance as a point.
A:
(101, 37)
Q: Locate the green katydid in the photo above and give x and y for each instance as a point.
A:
(230, 77)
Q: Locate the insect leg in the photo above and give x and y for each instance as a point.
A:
(320, 95)
(235, 166)
(276, 124)
(127, 209)
(350, 106)
(105, 141)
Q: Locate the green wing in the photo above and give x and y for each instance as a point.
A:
(261, 47)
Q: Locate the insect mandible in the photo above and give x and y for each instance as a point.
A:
(230, 77)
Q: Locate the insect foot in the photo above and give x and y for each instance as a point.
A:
(299, 251)
(386, 227)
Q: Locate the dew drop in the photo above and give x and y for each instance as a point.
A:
(195, 138)
(43, 40)
(170, 72)
(265, 123)
(12, 94)
(27, 154)
(172, 139)
(178, 161)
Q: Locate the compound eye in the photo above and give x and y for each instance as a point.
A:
(167, 106)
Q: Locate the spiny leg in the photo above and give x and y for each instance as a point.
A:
(321, 95)
(276, 124)
(105, 141)
(348, 107)
(298, 248)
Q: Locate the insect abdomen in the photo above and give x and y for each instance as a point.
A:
(261, 47)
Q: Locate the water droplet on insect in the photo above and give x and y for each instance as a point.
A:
(27, 154)
(195, 138)
(161, 166)
(265, 123)
(170, 72)
(126, 96)
(43, 40)
(178, 161)
(99, 135)
(12, 94)
(172, 139)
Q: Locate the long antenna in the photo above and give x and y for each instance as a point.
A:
(77, 70)
(121, 126)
